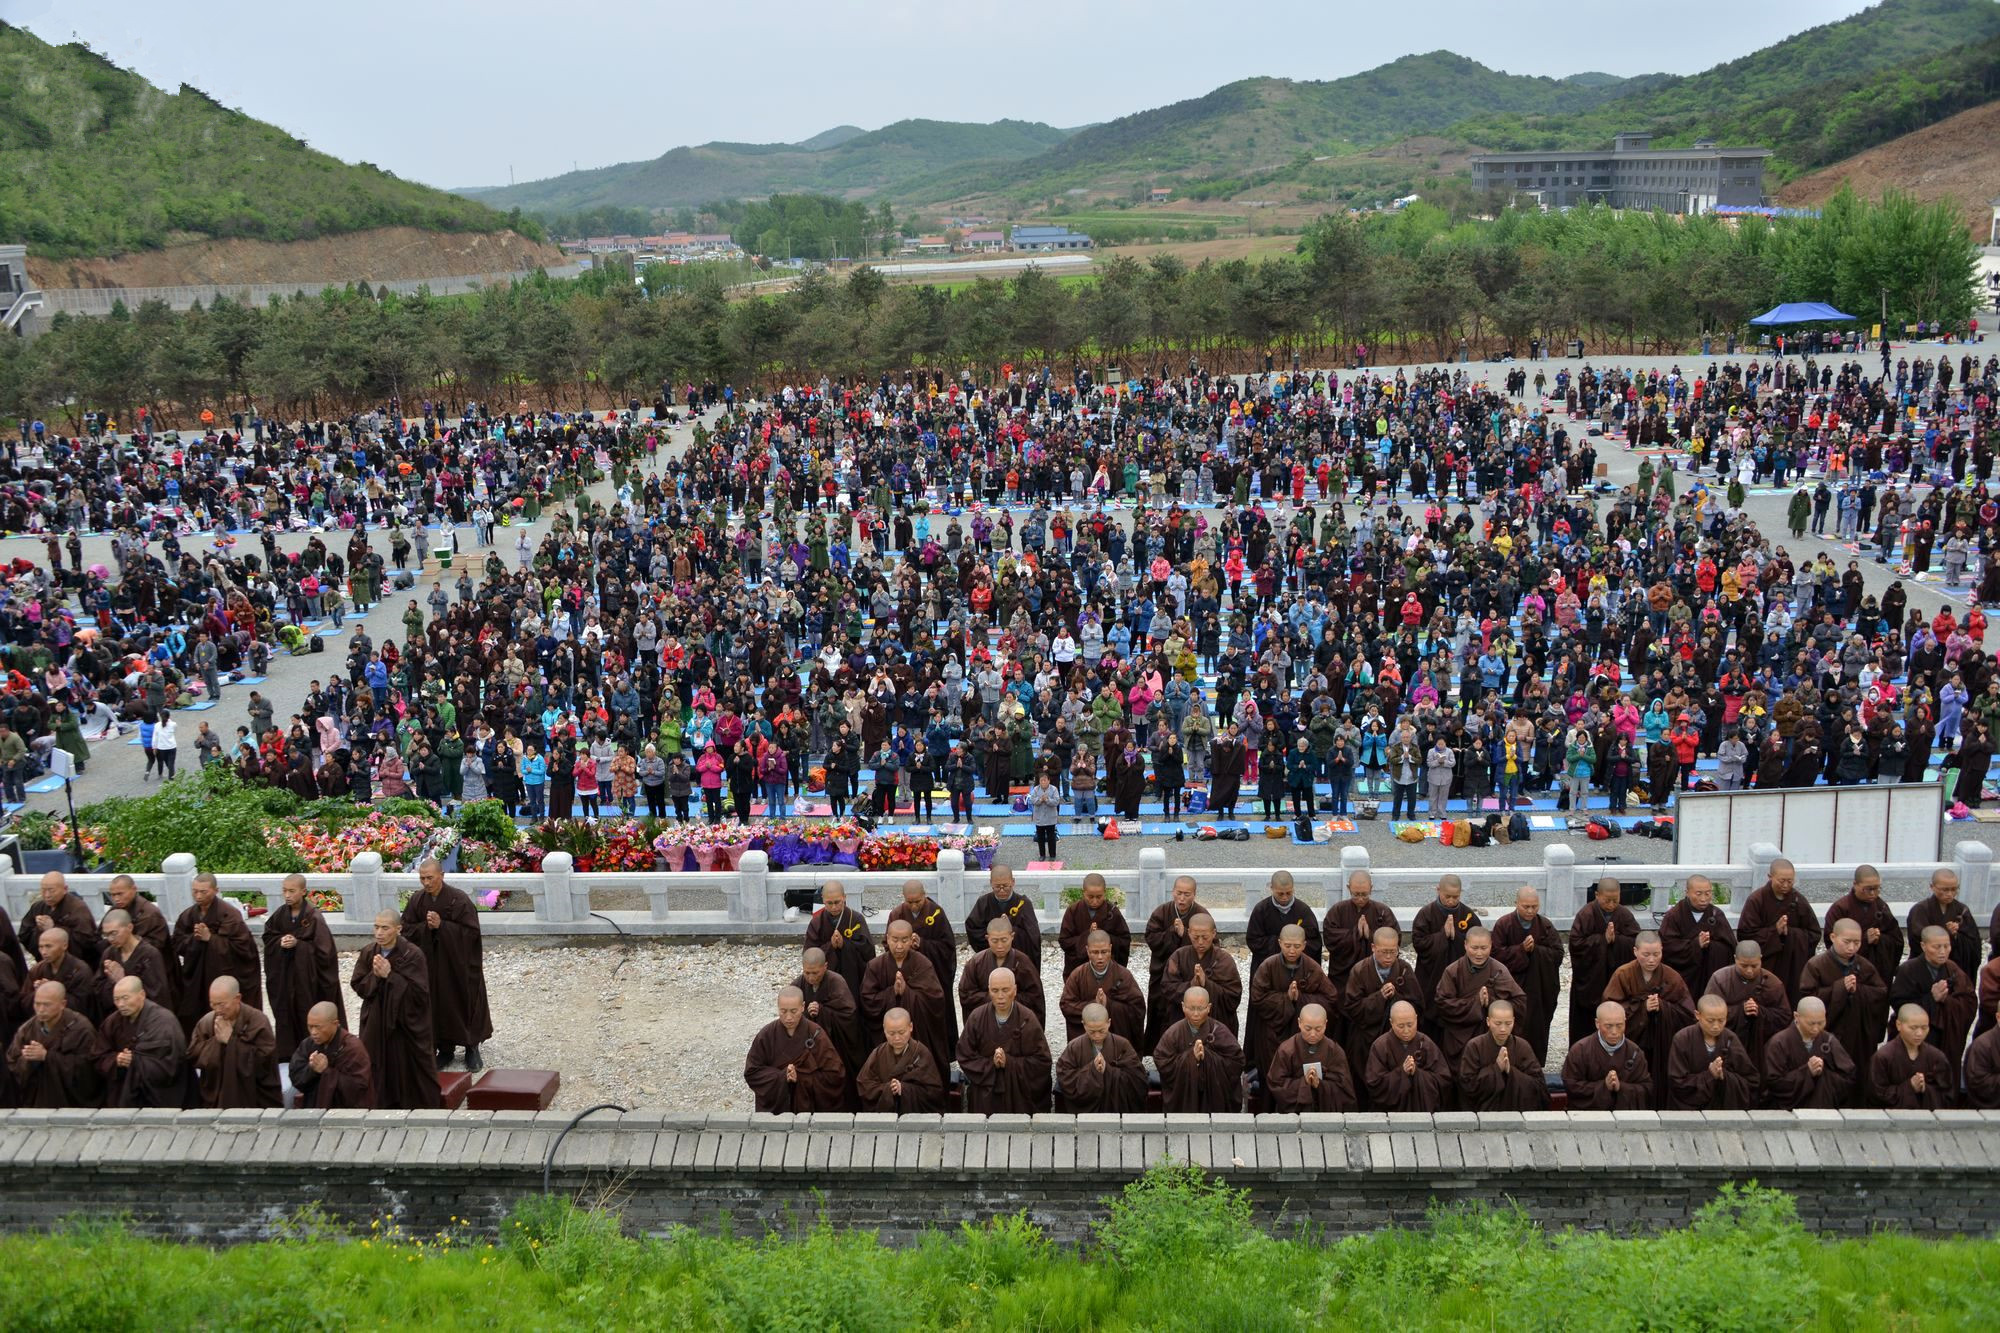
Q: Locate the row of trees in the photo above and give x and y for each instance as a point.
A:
(1409, 285)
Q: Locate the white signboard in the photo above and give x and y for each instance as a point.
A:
(1898, 822)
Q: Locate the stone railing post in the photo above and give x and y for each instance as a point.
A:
(363, 898)
(1153, 884)
(1762, 854)
(950, 890)
(753, 877)
(177, 887)
(1353, 857)
(658, 896)
(1562, 891)
(1975, 878)
(558, 897)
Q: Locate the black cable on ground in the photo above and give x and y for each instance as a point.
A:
(548, 1161)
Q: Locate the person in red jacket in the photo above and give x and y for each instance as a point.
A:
(1686, 742)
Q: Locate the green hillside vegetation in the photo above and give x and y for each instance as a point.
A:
(834, 162)
(96, 161)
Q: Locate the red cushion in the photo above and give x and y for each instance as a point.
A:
(453, 1085)
(514, 1090)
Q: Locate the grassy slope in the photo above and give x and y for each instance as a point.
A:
(96, 161)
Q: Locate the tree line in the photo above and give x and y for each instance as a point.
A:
(1409, 285)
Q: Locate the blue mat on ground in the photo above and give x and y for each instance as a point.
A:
(250, 680)
(330, 632)
(45, 784)
(10, 807)
(197, 707)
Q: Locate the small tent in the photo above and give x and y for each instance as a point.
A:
(1799, 312)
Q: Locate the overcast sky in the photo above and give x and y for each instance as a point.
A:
(460, 92)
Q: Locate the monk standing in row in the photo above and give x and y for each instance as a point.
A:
(1166, 933)
(1758, 1007)
(1656, 1003)
(211, 941)
(841, 933)
(1199, 1061)
(393, 981)
(1601, 940)
(1907, 1072)
(1280, 989)
(1709, 1067)
(59, 965)
(1271, 917)
(1309, 1071)
(1606, 1071)
(1348, 932)
(1530, 947)
(1000, 900)
(234, 1052)
(793, 1066)
(147, 919)
(330, 1068)
(1438, 934)
(1935, 984)
(935, 937)
(1465, 991)
(1102, 980)
(1405, 1069)
(1853, 996)
(902, 978)
(998, 953)
(53, 1057)
(1806, 1066)
(1204, 963)
(1375, 986)
(142, 1063)
(443, 922)
(1695, 936)
(59, 908)
(301, 964)
(1779, 920)
(1093, 911)
(1100, 1072)
(1003, 1054)
(1881, 937)
(900, 1076)
(126, 955)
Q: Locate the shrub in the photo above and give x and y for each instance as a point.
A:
(208, 812)
(1174, 1216)
(488, 822)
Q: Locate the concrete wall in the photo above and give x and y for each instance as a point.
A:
(236, 1175)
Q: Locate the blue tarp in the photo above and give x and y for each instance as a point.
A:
(1799, 312)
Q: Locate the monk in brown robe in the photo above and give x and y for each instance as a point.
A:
(330, 1067)
(1405, 1070)
(1881, 936)
(145, 1055)
(1279, 991)
(53, 1057)
(841, 933)
(1439, 936)
(1779, 920)
(1695, 936)
(1987, 984)
(1982, 1072)
(1854, 995)
(1166, 932)
(1348, 931)
(831, 1005)
(58, 964)
(1000, 900)
(1374, 986)
(1530, 947)
(1467, 987)
(1309, 1070)
(1003, 1054)
(1605, 1071)
(58, 907)
(147, 919)
(1204, 963)
(1100, 1072)
(1942, 908)
(394, 984)
(1600, 942)
(1758, 1009)
(1709, 1068)
(1500, 1071)
(1934, 983)
(1270, 917)
(1093, 911)
(443, 921)
(1103, 980)
(1200, 1063)
(1907, 1072)
(211, 940)
(1806, 1066)
(234, 1051)
(900, 1076)
(792, 1066)
(998, 953)
(1656, 1002)
(301, 965)
(126, 955)
(935, 936)
(901, 977)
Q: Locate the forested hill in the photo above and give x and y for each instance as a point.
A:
(96, 161)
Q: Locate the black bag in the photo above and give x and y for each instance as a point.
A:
(1613, 829)
(1303, 828)
(803, 899)
(315, 644)
(1517, 827)
(1478, 835)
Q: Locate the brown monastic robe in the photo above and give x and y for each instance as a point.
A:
(1274, 1015)
(1285, 1077)
(1163, 942)
(1074, 936)
(1367, 1011)
(856, 949)
(1951, 1017)
(1987, 983)
(1017, 909)
(1390, 1089)
(1964, 940)
(1436, 950)
(1538, 972)
(1786, 952)
(1890, 1071)
(839, 1014)
(1652, 1030)
(1484, 1086)
(1982, 1072)
(1680, 943)
(1213, 1084)
(821, 1084)
(150, 924)
(156, 1076)
(1349, 934)
(915, 1069)
(241, 1072)
(1885, 953)
(144, 962)
(1774, 1011)
(923, 997)
(1855, 1020)
(1790, 1085)
(69, 913)
(77, 981)
(935, 940)
(1122, 999)
(396, 1027)
(1592, 960)
(347, 1084)
(452, 952)
(1223, 982)
(1690, 1085)
(1022, 1085)
(68, 1076)
(1585, 1069)
(229, 951)
(1460, 1015)
(1120, 1088)
(980, 968)
(302, 976)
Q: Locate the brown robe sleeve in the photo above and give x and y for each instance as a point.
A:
(1982, 1072)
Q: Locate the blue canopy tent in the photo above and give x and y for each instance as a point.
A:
(1799, 312)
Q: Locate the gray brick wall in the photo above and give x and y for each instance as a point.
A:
(232, 1176)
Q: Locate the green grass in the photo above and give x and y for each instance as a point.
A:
(1175, 1251)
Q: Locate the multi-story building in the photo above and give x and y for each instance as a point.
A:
(1632, 175)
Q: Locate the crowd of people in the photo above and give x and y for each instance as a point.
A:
(1783, 1009)
(129, 1010)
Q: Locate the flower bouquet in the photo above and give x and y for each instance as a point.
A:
(625, 846)
(898, 851)
(977, 847)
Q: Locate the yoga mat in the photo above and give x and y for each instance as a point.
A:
(199, 706)
(45, 784)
